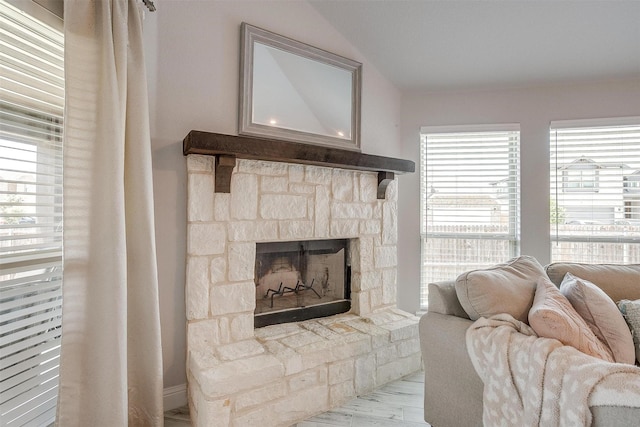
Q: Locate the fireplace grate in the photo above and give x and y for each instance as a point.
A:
(300, 287)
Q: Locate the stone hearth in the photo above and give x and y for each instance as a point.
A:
(281, 374)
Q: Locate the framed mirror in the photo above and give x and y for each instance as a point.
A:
(296, 92)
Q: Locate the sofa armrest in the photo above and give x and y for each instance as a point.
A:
(444, 300)
(452, 388)
(619, 416)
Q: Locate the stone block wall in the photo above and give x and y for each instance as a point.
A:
(281, 374)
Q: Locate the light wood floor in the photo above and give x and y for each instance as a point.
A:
(396, 404)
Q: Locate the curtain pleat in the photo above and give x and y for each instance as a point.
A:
(111, 367)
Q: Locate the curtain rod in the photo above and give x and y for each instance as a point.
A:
(150, 5)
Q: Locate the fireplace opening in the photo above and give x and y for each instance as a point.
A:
(301, 280)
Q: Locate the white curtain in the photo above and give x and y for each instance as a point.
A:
(111, 367)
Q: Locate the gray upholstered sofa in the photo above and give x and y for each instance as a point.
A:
(453, 390)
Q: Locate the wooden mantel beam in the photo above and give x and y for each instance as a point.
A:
(227, 148)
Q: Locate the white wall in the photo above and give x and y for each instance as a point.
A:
(192, 55)
(533, 108)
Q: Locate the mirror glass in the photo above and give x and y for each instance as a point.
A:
(295, 92)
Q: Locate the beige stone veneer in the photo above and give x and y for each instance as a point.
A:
(281, 374)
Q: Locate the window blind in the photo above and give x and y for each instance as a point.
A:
(470, 199)
(31, 110)
(595, 190)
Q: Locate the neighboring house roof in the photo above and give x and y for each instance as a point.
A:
(586, 163)
(500, 181)
(635, 176)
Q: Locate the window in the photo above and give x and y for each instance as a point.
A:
(31, 110)
(595, 203)
(632, 183)
(470, 205)
(581, 176)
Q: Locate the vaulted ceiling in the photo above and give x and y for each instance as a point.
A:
(459, 44)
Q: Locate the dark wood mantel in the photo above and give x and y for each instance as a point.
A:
(226, 148)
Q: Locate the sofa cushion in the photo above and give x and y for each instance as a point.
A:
(602, 315)
(552, 316)
(617, 281)
(631, 312)
(504, 288)
(443, 299)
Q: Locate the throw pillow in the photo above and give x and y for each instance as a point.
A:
(602, 316)
(631, 312)
(552, 316)
(503, 288)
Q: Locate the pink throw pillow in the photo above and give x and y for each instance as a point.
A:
(552, 316)
(602, 316)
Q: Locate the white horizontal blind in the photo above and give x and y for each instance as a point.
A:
(470, 200)
(595, 191)
(31, 109)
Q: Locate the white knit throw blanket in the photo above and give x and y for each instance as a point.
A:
(531, 381)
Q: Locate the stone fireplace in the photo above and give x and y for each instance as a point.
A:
(277, 375)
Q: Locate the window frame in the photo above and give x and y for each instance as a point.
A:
(31, 262)
(592, 232)
(509, 191)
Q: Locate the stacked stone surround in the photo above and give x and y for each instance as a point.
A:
(281, 374)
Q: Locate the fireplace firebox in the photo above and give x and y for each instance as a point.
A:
(301, 280)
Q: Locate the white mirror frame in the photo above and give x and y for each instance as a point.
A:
(250, 36)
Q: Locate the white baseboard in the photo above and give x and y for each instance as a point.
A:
(174, 397)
